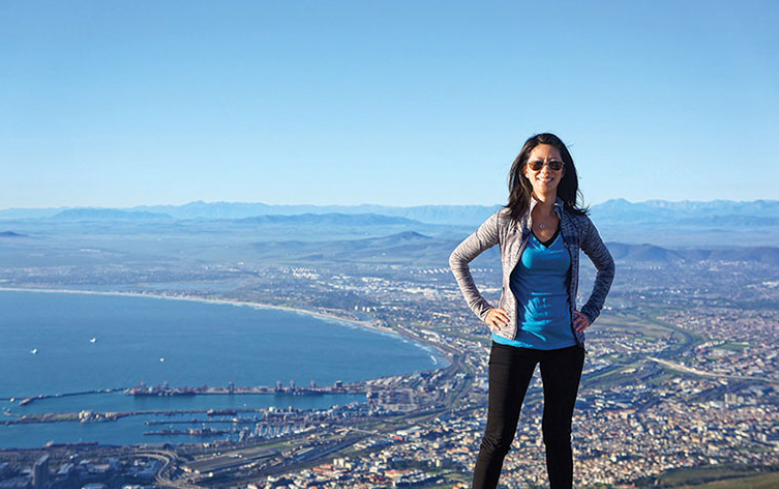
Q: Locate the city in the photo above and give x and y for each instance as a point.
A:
(681, 373)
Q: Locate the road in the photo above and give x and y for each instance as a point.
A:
(683, 368)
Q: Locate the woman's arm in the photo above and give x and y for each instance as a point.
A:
(482, 239)
(592, 245)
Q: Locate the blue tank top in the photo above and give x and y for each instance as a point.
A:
(539, 282)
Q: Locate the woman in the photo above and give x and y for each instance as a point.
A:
(540, 233)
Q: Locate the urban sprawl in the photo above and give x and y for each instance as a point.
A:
(682, 371)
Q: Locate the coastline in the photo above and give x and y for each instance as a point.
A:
(371, 325)
(191, 298)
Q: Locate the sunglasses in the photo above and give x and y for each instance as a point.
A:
(553, 165)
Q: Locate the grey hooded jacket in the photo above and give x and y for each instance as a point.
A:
(578, 232)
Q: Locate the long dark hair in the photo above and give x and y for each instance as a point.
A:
(521, 190)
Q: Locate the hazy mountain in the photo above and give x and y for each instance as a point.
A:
(221, 210)
(445, 214)
(334, 219)
(650, 253)
(710, 214)
(426, 250)
(107, 214)
(433, 214)
(717, 212)
(401, 247)
(409, 237)
(730, 220)
(395, 243)
(11, 234)
(689, 224)
(643, 252)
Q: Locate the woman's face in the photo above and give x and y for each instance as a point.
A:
(544, 179)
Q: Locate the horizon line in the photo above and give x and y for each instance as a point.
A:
(67, 207)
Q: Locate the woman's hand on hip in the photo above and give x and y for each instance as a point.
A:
(580, 321)
(497, 318)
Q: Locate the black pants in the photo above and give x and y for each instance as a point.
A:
(510, 371)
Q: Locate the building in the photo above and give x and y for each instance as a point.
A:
(40, 472)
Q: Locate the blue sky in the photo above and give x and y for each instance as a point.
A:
(126, 103)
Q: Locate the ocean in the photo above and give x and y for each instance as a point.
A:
(64, 343)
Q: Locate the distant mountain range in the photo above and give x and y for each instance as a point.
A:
(612, 212)
(11, 234)
(405, 247)
(332, 219)
(432, 214)
(415, 247)
(309, 219)
(716, 212)
(108, 214)
(651, 253)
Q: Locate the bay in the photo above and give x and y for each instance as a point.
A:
(63, 343)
